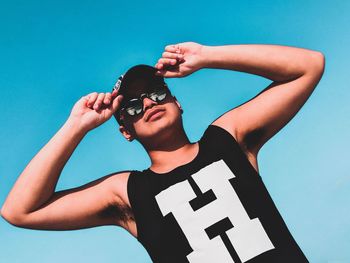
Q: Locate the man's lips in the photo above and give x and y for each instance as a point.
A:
(151, 113)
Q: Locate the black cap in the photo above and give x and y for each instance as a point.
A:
(138, 79)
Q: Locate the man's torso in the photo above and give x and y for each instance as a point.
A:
(122, 191)
(214, 206)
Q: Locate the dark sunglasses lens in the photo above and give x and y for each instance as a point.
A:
(158, 95)
(134, 107)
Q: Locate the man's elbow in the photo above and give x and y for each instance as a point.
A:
(317, 63)
(12, 217)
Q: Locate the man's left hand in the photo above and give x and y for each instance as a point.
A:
(180, 60)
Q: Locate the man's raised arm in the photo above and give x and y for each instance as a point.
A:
(32, 202)
(295, 73)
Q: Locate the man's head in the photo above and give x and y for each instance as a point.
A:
(148, 109)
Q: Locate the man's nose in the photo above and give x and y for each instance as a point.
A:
(148, 103)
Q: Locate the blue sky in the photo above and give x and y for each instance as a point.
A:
(53, 53)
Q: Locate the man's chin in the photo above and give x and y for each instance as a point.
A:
(158, 128)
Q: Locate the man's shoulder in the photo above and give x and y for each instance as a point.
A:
(228, 126)
(217, 133)
(231, 130)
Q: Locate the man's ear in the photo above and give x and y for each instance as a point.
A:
(126, 133)
(178, 104)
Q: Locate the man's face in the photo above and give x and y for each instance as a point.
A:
(156, 118)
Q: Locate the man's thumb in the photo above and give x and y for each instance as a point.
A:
(116, 103)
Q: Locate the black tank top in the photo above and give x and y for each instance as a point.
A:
(213, 209)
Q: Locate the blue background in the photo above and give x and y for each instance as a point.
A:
(54, 52)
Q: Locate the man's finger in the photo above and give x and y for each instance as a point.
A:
(173, 48)
(116, 103)
(92, 99)
(167, 61)
(159, 66)
(107, 99)
(99, 101)
(115, 93)
(172, 55)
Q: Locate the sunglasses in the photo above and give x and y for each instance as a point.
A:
(134, 106)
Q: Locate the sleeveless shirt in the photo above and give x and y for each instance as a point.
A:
(215, 208)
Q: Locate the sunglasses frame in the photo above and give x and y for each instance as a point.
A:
(164, 88)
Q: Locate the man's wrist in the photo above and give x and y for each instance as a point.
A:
(75, 128)
(207, 56)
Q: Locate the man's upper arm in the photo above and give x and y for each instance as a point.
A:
(94, 204)
(256, 121)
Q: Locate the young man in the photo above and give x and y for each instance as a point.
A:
(197, 202)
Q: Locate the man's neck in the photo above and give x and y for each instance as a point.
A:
(174, 151)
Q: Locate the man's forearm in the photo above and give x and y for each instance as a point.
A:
(278, 63)
(37, 182)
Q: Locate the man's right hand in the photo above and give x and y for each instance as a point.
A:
(94, 109)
